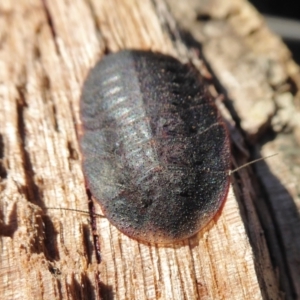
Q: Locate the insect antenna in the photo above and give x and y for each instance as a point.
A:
(76, 210)
(250, 163)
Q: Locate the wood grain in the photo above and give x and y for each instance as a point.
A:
(46, 50)
(261, 81)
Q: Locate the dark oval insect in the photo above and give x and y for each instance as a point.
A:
(156, 154)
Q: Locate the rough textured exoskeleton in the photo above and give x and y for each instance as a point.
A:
(155, 150)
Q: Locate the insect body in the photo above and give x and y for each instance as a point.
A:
(155, 150)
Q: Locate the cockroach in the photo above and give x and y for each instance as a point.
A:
(156, 152)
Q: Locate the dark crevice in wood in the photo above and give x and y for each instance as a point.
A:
(59, 287)
(203, 17)
(88, 289)
(275, 233)
(75, 289)
(89, 247)
(33, 193)
(1, 147)
(73, 154)
(36, 52)
(83, 290)
(54, 113)
(51, 24)
(251, 232)
(94, 228)
(50, 240)
(3, 171)
(282, 222)
(46, 83)
(46, 96)
(292, 87)
(106, 292)
(10, 228)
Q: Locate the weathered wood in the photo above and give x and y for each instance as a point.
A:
(47, 48)
(258, 75)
